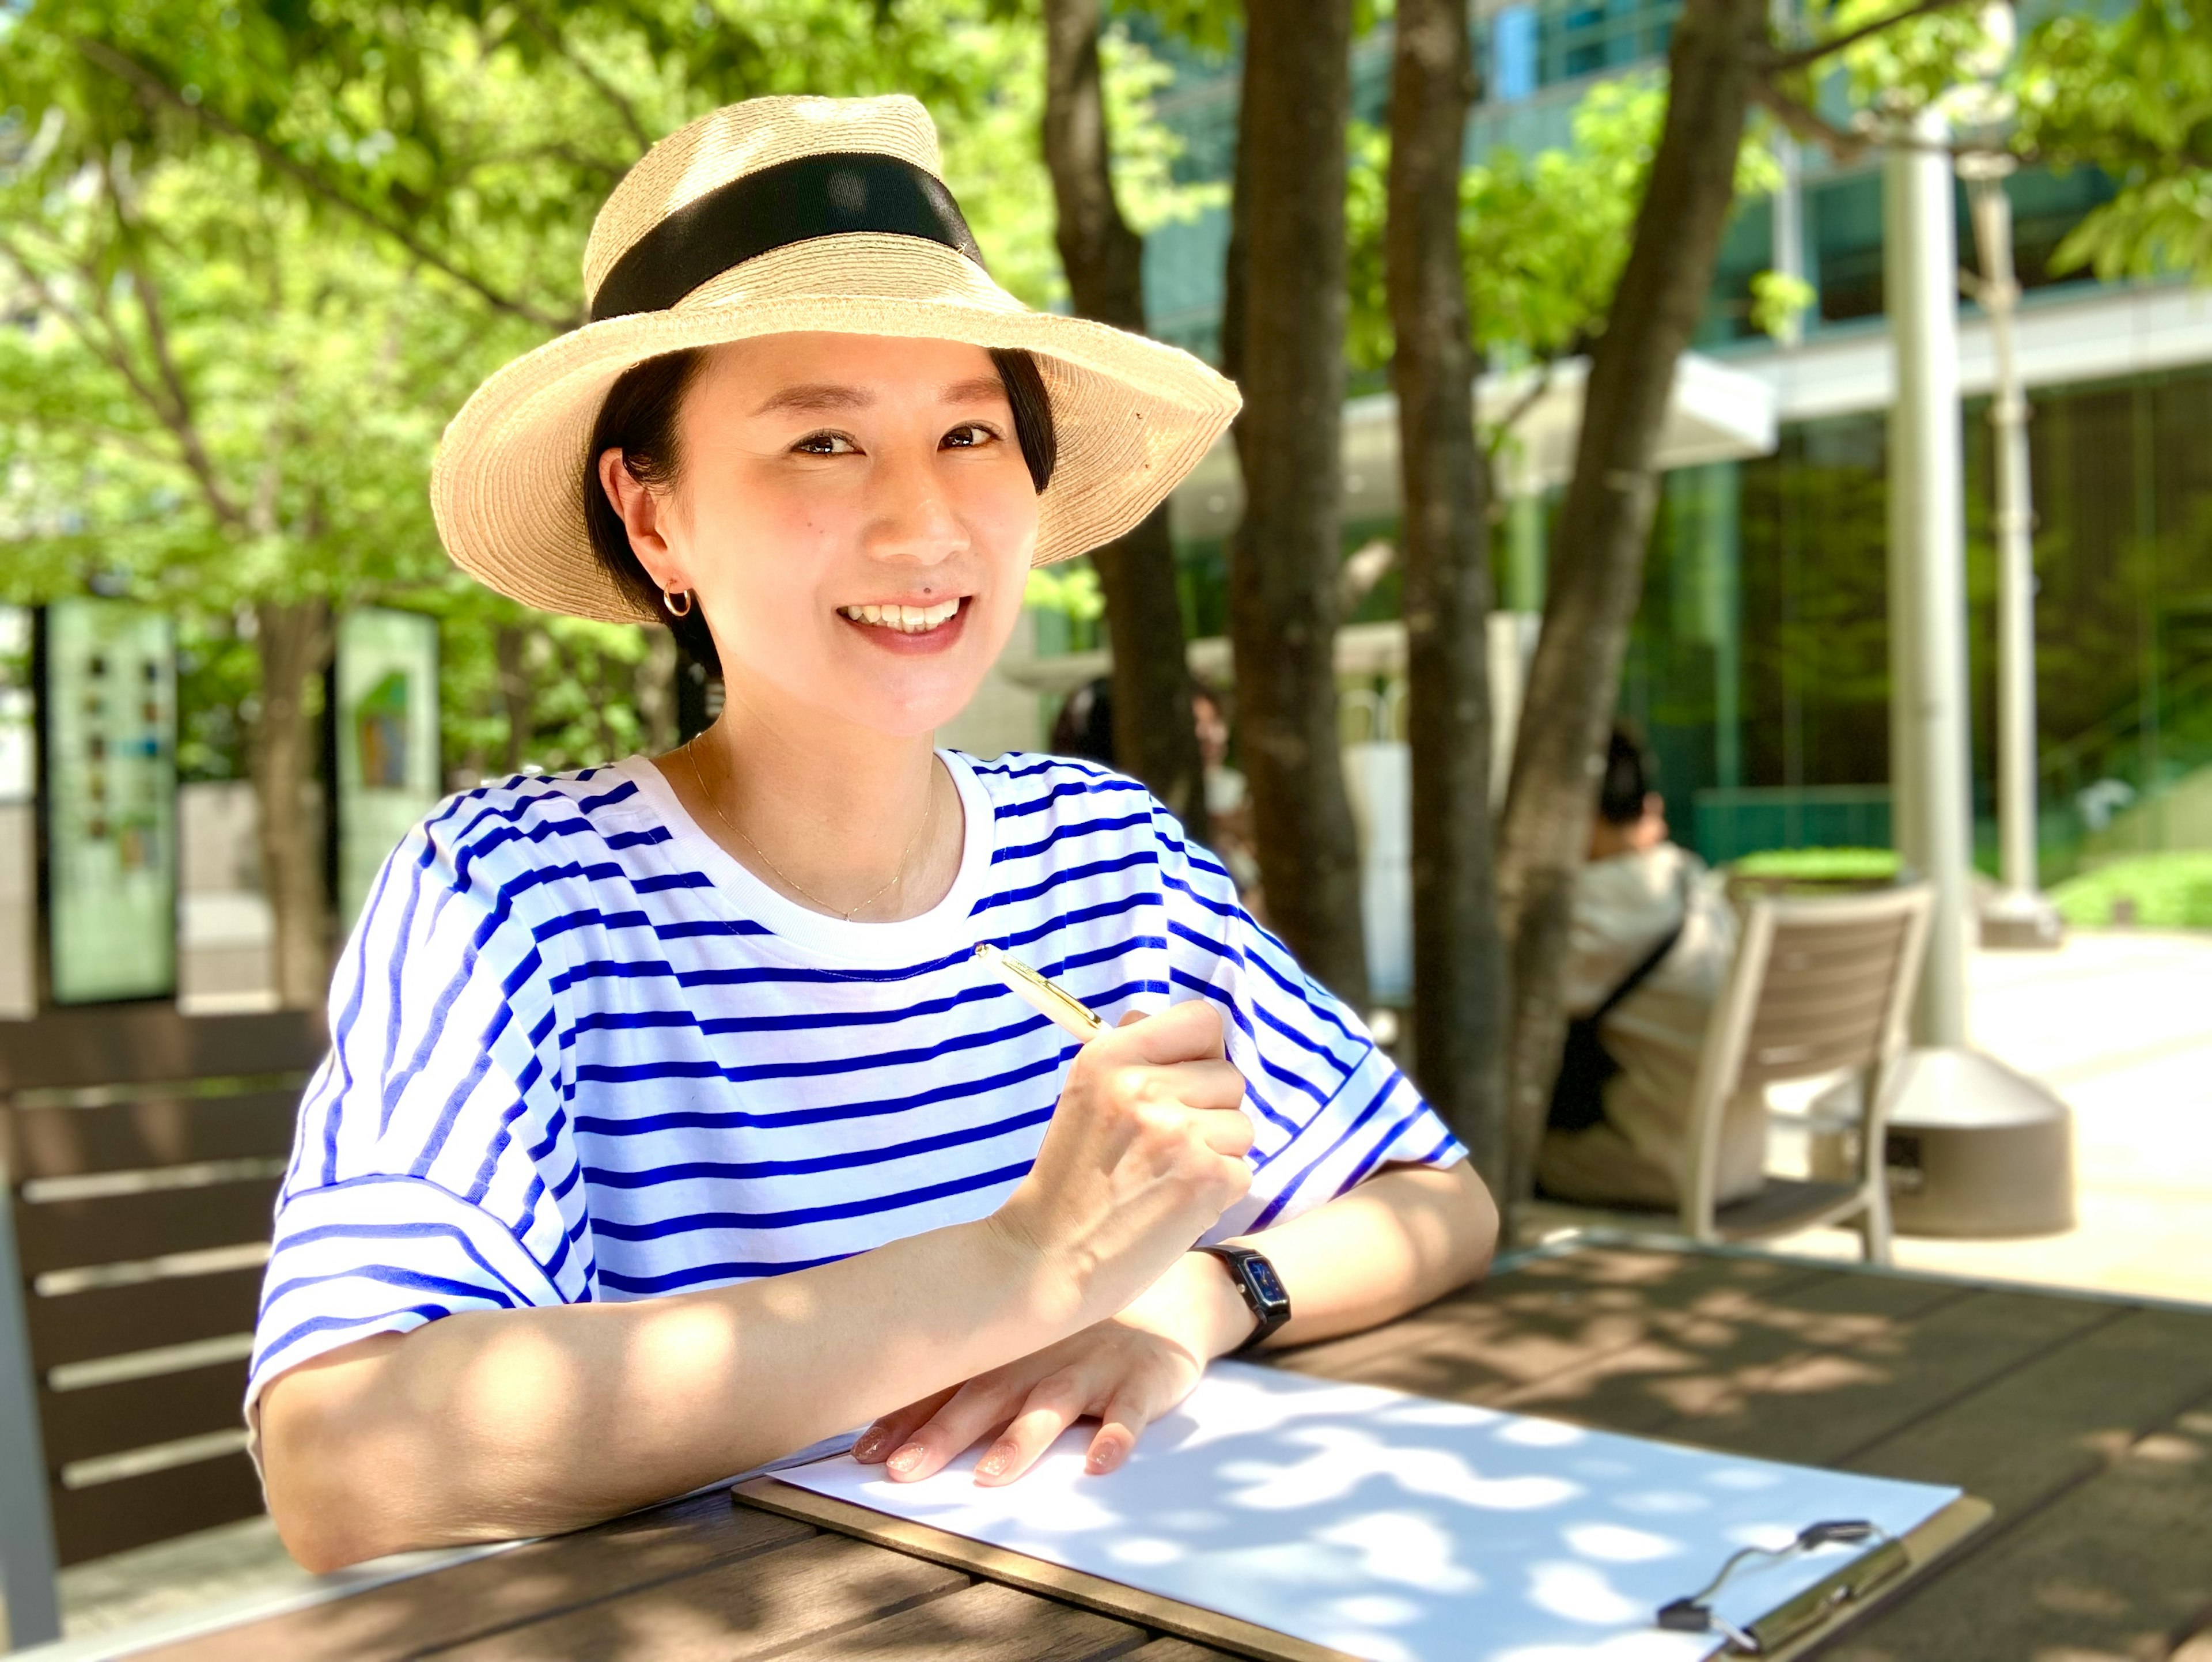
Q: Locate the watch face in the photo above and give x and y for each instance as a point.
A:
(1261, 1276)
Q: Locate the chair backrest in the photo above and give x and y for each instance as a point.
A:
(1818, 985)
(143, 1151)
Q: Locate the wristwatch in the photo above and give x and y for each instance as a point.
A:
(1261, 1288)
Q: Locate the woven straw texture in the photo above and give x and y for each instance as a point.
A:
(1133, 416)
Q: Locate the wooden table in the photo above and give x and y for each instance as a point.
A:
(2087, 1422)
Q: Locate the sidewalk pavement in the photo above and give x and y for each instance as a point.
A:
(2120, 1024)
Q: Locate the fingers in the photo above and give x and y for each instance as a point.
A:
(1227, 1131)
(961, 1421)
(1055, 1404)
(1189, 1031)
(1135, 1405)
(894, 1429)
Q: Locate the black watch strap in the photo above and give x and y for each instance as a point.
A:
(1261, 1288)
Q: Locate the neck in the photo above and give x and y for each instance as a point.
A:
(842, 819)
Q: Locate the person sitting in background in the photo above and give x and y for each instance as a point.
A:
(1649, 951)
(1228, 799)
(1084, 726)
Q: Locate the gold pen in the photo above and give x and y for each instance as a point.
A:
(1048, 997)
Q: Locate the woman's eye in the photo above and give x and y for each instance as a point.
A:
(968, 436)
(826, 444)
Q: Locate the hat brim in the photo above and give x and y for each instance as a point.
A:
(1133, 416)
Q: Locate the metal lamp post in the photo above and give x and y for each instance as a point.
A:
(1974, 1148)
(2021, 914)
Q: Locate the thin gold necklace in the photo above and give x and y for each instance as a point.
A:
(928, 815)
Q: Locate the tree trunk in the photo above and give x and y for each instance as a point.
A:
(1283, 616)
(1604, 523)
(292, 639)
(1459, 1004)
(656, 690)
(1155, 738)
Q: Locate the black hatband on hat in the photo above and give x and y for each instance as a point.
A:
(808, 196)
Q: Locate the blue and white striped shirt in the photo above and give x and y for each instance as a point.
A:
(579, 1053)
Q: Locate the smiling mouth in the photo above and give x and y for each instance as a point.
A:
(904, 619)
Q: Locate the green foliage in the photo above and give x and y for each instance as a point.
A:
(2162, 891)
(1779, 300)
(1944, 58)
(2126, 90)
(1543, 238)
(2132, 96)
(1072, 590)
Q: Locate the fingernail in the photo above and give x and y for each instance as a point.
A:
(870, 1448)
(1107, 1458)
(908, 1459)
(995, 1462)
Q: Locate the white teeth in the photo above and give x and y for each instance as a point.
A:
(907, 620)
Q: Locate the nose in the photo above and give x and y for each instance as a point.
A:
(911, 522)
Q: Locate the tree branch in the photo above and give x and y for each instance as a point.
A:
(1494, 445)
(158, 398)
(1806, 124)
(599, 83)
(152, 88)
(1784, 63)
(176, 411)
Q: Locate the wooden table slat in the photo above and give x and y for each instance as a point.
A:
(568, 1572)
(2057, 1419)
(2120, 1566)
(984, 1623)
(755, 1607)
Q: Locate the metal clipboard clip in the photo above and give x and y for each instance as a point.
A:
(1791, 1620)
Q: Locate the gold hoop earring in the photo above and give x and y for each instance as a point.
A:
(668, 599)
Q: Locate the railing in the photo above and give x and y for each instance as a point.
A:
(2127, 761)
(1731, 823)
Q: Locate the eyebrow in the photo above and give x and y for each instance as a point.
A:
(815, 395)
(812, 396)
(981, 386)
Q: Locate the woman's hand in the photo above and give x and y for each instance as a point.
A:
(1126, 1372)
(1144, 1154)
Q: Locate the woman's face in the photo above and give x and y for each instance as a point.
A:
(854, 517)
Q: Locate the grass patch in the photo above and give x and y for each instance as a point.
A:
(2164, 891)
(1820, 866)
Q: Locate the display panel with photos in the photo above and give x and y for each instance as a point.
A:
(19, 841)
(111, 804)
(386, 712)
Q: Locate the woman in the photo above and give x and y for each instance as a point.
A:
(669, 1126)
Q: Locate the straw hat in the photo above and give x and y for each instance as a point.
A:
(781, 215)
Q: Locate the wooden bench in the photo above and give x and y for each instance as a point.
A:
(143, 1151)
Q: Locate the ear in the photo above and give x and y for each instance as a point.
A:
(646, 515)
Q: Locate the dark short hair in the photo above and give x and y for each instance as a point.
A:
(1084, 726)
(1628, 779)
(639, 419)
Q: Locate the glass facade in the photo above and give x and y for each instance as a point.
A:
(1761, 654)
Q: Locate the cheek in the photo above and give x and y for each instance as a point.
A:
(759, 554)
(1003, 521)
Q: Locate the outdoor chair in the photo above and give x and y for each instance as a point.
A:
(143, 1150)
(1819, 986)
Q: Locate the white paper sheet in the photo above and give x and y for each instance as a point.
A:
(1404, 1529)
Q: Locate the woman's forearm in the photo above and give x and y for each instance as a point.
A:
(1405, 1236)
(493, 1424)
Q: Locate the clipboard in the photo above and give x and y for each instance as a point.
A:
(1811, 1618)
